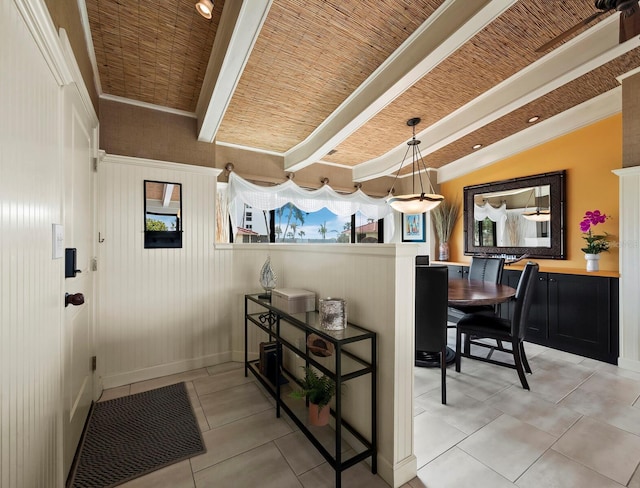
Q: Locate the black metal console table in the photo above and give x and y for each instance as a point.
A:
(290, 333)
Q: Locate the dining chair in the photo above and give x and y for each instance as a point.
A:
(431, 319)
(491, 326)
(481, 269)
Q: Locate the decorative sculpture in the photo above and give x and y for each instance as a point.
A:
(268, 279)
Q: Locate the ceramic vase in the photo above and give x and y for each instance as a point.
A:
(319, 417)
(593, 262)
(443, 251)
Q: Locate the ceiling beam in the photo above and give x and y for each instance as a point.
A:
(584, 53)
(450, 26)
(240, 25)
(582, 115)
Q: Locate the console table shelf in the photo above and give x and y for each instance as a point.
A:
(346, 363)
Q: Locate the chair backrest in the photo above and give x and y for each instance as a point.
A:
(523, 300)
(486, 269)
(432, 292)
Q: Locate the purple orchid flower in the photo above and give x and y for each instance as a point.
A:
(592, 218)
(585, 225)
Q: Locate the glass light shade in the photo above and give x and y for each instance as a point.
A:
(538, 216)
(415, 203)
(205, 8)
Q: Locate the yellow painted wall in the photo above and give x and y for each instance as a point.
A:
(588, 155)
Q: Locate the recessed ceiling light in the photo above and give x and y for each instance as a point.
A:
(533, 119)
(205, 8)
(477, 146)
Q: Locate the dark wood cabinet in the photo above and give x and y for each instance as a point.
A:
(573, 313)
(457, 271)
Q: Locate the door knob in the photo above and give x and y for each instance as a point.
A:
(73, 299)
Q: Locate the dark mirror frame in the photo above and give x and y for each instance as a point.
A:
(158, 239)
(556, 181)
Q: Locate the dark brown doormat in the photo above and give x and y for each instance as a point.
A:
(131, 436)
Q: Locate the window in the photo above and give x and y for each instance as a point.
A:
(367, 230)
(290, 224)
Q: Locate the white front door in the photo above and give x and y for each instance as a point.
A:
(77, 346)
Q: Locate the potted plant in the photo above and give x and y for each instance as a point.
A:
(319, 390)
(596, 243)
(444, 218)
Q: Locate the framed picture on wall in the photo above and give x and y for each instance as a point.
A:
(413, 227)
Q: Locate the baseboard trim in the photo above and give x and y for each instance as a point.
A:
(630, 364)
(401, 473)
(160, 370)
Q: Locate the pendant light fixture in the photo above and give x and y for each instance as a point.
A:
(205, 8)
(537, 215)
(414, 203)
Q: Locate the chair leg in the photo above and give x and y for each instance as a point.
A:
(518, 360)
(458, 348)
(467, 344)
(443, 372)
(527, 368)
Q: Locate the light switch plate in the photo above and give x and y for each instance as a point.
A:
(57, 233)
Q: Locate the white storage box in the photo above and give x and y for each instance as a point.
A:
(293, 300)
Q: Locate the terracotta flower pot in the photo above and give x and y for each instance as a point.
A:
(319, 417)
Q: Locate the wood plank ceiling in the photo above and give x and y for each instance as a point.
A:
(312, 56)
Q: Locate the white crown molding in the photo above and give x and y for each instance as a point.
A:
(151, 106)
(237, 34)
(86, 28)
(453, 24)
(628, 74)
(628, 171)
(249, 148)
(577, 57)
(55, 48)
(275, 153)
(587, 113)
(105, 158)
(76, 76)
(38, 21)
(335, 165)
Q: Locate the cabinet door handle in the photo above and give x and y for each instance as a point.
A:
(540, 278)
(552, 279)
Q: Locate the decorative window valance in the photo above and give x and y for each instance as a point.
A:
(481, 212)
(273, 197)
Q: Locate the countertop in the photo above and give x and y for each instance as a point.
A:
(545, 269)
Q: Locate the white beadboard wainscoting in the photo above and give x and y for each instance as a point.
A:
(377, 281)
(160, 311)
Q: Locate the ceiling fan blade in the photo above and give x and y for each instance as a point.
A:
(568, 32)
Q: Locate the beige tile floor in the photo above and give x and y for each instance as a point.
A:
(579, 426)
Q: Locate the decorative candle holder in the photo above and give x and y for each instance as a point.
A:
(333, 313)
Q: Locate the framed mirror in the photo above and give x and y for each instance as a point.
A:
(515, 217)
(162, 214)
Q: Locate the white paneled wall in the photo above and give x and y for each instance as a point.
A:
(377, 280)
(160, 311)
(629, 262)
(30, 280)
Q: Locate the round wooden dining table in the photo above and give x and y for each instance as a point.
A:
(463, 292)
